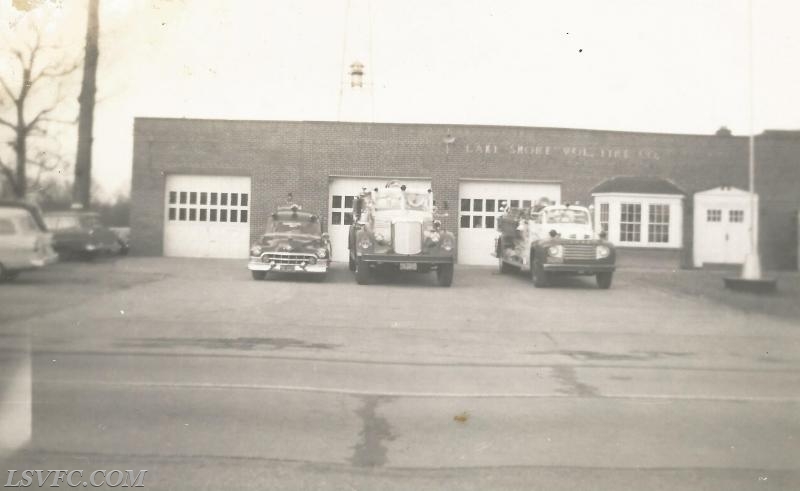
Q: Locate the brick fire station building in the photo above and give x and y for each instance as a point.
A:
(204, 188)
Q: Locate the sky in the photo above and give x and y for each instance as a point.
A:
(678, 66)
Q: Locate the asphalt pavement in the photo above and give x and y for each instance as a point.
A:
(210, 380)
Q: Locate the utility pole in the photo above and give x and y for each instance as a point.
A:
(81, 190)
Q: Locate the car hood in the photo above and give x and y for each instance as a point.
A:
(290, 242)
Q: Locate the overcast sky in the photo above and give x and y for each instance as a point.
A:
(677, 66)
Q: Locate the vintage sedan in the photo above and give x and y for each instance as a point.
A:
(25, 243)
(80, 234)
(292, 243)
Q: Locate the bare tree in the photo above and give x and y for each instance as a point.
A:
(29, 97)
(81, 191)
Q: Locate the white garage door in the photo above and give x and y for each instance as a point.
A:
(341, 194)
(207, 216)
(482, 202)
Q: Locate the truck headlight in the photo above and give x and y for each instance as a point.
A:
(603, 251)
(364, 243)
(434, 237)
(447, 244)
(379, 237)
(555, 251)
(322, 253)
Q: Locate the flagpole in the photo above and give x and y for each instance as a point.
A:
(751, 270)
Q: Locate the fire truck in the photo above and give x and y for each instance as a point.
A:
(551, 240)
(396, 229)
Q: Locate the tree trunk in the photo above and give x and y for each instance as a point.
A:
(81, 191)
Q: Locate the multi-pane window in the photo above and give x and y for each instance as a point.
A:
(630, 226)
(342, 209)
(604, 217)
(736, 216)
(205, 206)
(713, 215)
(658, 223)
(483, 213)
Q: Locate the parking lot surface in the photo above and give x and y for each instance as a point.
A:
(210, 380)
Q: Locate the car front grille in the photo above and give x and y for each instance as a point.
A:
(288, 258)
(407, 237)
(580, 252)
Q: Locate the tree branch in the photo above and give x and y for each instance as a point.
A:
(5, 122)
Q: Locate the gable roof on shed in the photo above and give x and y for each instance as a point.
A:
(638, 185)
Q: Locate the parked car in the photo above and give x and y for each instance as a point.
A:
(25, 243)
(292, 243)
(555, 240)
(124, 236)
(80, 234)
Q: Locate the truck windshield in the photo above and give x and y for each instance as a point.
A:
(293, 227)
(567, 216)
(416, 201)
(388, 202)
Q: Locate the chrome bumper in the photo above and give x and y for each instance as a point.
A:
(258, 265)
(40, 262)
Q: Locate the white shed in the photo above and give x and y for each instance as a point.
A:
(722, 225)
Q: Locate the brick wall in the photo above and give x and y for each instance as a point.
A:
(300, 157)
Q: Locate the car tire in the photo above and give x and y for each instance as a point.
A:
(604, 280)
(259, 275)
(362, 272)
(538, 274)
(444, 274)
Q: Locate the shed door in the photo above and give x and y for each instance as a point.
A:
(207, 216)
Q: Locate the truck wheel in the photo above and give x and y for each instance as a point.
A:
(362, 272)
(259, 275)
(604, 280)
(538, 274)
(444, 274)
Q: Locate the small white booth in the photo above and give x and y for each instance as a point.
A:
(722, 220)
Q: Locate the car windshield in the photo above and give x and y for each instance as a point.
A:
(90, 221)
(416, 201)
(293, 226)
(388, 202)
(62, 222)
(567, 216)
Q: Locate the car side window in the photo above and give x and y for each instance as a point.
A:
(6, 227)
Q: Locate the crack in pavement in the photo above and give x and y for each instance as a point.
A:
(243, 344)
(370, 451)
(572, 386)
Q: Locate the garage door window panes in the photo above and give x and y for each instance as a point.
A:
(483, 213)
(204, 208)
(342, 209)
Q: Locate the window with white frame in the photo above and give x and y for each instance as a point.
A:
(658, 223)
(604, 217)
(736, 216)
(713, 215)
(630, 222)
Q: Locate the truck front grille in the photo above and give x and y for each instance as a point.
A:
(288, 258)
(407, 237)
(580, 252)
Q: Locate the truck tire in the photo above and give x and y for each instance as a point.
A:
(259, 275)
(538, 274)
(604, 280)
(505, 268)
(362, 272)
(444, 274)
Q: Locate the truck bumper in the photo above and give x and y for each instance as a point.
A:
(401, 258)
(320, 267)
(579, 268)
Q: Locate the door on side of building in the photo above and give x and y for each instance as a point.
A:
(207, 216)
(342, 192)
(480, 205)
(722, 225)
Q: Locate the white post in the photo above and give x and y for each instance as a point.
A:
(751, 269)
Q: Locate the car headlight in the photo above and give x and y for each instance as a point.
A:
(379, 237)
(255, 251)
(365, 243)
(603, 251)
(322, 253)
(555, 251)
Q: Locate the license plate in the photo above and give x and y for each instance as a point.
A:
(408, 266)
(286, 267)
